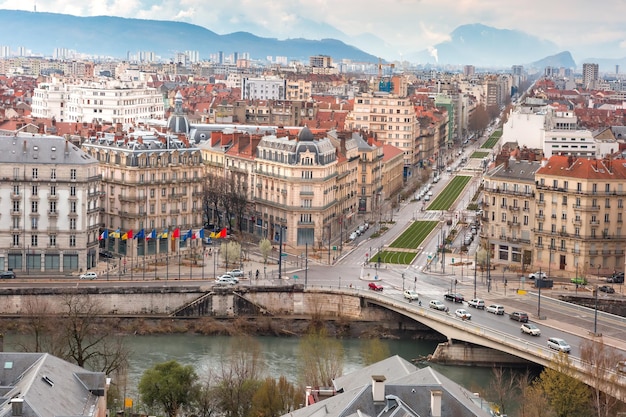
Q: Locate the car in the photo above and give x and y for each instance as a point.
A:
(374, 286)
(7, 275)
(519, 316)
(237, 273)
(353, 236)
(229, 277)
(426, 198)
(456, 297)
(225, 280)
(89, 275)
(436, 180)
(617, 278)
(411, 295)
(607, 289)
(418, 197)
(476, 303)
(430, 193)
(579, 281)
(106, 254)
(437, 305)
(463, 314)
(559, 344)
(537, 275)
(530, 329)
(496, 309)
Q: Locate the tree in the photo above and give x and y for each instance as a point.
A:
(321, 358)
(599, 361)
(567, 395)
(535, 403)
(501, 389)
(265, 246)
(274, 398)
(239, 377)
(169, 385)
(479, 119)
(237, 197)
(230, 252)
(374, 350)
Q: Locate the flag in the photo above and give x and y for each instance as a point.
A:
(199, 234)
(213, 235)
(104, 235)
(223, 233)
(187, 235)
(141, 234)
(191, 234)
(116, 234)
(176, 233)
(152, 234)
(163, 235)
(128, 235)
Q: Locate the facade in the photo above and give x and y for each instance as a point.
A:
(263, 88)
(579, 219)
(391, 119)
(51, 206)
(590, 75)
(148, 183)
(509, 212)
(113, 102)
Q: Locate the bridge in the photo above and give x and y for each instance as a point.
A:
(608, 380)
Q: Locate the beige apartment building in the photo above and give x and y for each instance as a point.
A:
(391, 118)
(50, 211)
(509, 212)
(580, 216)
(148, 182)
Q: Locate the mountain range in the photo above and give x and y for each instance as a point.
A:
(475, 44)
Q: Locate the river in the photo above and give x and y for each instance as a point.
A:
(280, 353)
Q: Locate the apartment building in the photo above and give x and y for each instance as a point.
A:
(50, 194)
(263, 88)
(148, 182)
(509, 212)
(580, 210)
(114, 102)
(391, 119)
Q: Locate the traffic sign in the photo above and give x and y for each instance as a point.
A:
(283, 254)
(334, 247)
(452, 260)
(295, 277)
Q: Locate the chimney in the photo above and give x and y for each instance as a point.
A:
(435, 403)
(17, 407)
(378, 388)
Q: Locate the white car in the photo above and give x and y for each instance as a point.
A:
(537, 275)
(437, 305)
(463, 314)
(411, 295)
(225, 280)
(237, 273)
(89, 275)
(530, 329)
(476, 303)
(559, 344)
(495, 309)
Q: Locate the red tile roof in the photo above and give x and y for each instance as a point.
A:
(593, 169)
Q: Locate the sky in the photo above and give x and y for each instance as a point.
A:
(583, 27)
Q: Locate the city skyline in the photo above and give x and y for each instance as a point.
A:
(401, 27)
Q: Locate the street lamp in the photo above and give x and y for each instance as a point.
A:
(595, 316)
(539, 295)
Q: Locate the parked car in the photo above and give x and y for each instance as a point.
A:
(559, 344)
(426, 198)
(456, 297)
(411, 295)
(237, 273)
(7, 275)
(607, 289)
(579, 281)
(476, 303)
(437, 305)
(89, 275)
(537, 275)
(375, 286)
(463, 314)
(106, 254)
(229, 277)
(496, 309)
(519, 316)
(617, 278)
(353, 236)
(530, 329)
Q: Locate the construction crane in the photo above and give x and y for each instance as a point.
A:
(384, 83)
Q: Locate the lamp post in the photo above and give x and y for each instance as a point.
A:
(595, 316)
(539, 295)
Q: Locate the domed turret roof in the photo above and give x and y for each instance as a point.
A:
(306, 135)
(178, 122)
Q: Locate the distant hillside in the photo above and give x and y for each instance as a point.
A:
(116, 36)
(481, 45)
(560, 60)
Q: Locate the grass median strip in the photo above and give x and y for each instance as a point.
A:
(394, 257)
(480, 154)
(493, 139)
(413, 237)
(448, 196)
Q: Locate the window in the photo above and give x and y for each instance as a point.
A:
(16, 206)
(16, 240)
(72, 241)
(579, 187)
(606, 217)
(151, 192)
(33, 240)
(72, 206)
(594, 188)
(53, 190)
(16, 189)
(35, 173)
(53, 206)
(564, 202)
(525, 220)
(577, 231)
(553, 228)
(73, 190)
(53, 174)
(52, 240)
(163, 192)
(72, 224)
(34, 223)
(72, 174)
(607, 203)
(503, 217)
(35, 190)
(34, 206)
(620, 203)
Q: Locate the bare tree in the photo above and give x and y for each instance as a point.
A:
(501, 389)
(214, 191)
(599, 361)
(238, 197)
(479, 119)
(321, 358)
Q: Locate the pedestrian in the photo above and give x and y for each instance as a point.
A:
(257, 274)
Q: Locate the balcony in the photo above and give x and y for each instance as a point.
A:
(131, 199)
(514, 208)
(541, 217)
(585, 207)
(53, 229)
(606, 251)
(593, 252)
(576, 251)
(513, 223)
(53, 213)
(577, 222)
(541, 202)
(539, 245)
(619, 251)
(53, 197)
(594, 222)
(15, 196)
